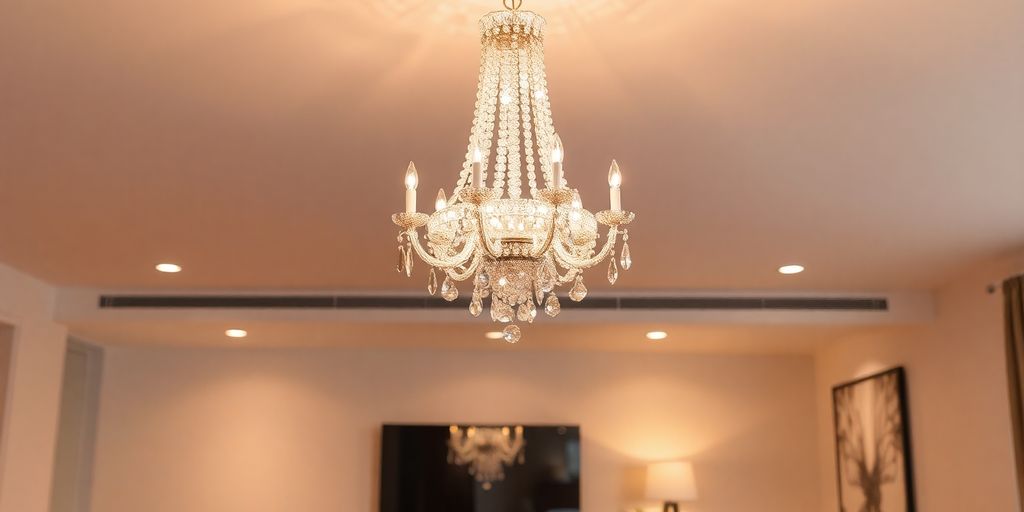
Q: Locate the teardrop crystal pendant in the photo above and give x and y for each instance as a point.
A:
(512, 334)
(500, 312)
(538, 293)
(408, 261)
(578, 291)
(476, 306)
(527, 312)
(448, 290)
(627, 259)
(613, 270)
(432, 282)
(552, 307)
(400, 267)
(482, 279)
(545, 277)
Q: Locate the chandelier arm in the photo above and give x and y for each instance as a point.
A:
(570, 272)
(550, 238)
(568, 260)
(467, 272)
(462, 257)
(569, 276)
(483, 236)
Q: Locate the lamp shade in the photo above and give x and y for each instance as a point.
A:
(671, 481)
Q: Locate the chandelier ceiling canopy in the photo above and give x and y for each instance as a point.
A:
(516, 243)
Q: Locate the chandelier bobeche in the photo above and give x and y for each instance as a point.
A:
(515, 249)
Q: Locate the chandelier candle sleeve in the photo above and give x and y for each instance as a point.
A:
(557, 157)
(478, 167)
(411, 181)
(615, 184)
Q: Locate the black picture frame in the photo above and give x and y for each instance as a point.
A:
(880, 398)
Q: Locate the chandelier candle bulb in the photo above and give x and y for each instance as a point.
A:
(411, 181)
(441, 200)
(557, 157)
(615, 184)
(478, 167)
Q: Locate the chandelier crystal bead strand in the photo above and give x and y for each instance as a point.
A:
(515, 250)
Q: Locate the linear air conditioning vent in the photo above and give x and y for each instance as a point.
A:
(404, 302)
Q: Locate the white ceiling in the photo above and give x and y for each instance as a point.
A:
(262, 144)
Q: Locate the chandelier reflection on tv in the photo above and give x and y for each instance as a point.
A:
(515, 249)
(486, 451)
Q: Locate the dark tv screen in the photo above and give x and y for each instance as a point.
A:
(421, 473)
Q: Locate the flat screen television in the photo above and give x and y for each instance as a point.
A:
(446, 468)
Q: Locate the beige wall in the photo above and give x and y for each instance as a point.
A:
(297, 430)
(33, 394)
(6, 351)
(959, 414)
(76, 433)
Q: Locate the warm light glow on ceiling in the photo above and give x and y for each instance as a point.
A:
(168, 268)
(236, 333)
(657, 335)
(494, 335)
(791, 269)
(451, 16)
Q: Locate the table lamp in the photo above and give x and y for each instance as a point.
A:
(671, 483)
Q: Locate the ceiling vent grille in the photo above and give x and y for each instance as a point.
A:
(404, 302)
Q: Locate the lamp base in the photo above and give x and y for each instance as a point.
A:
(671, 506)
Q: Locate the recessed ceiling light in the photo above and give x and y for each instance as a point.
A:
(791, 269)
(494, 335)
(168, 268)
(236, 333)
(657, 335)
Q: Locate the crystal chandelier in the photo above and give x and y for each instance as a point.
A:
(515, 249)
(486, 451)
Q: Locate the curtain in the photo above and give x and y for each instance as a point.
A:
(1013, 293)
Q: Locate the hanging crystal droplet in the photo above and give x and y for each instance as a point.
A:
(448, 290)
(512, 334)
(578, 291)
(400, 267)
(432, 282)
(545, 280)
(476, 306)
(526, 312)
(500, 312)
(627, 259)
(538, 292)
(552, 307)
(482, 279)
(613, 271)
(408, 261)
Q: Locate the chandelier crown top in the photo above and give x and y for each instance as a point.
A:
(509, 22)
